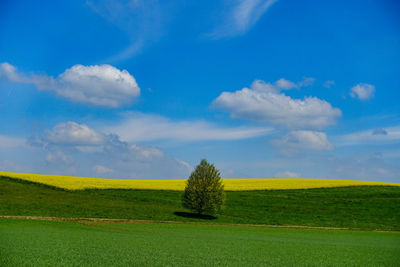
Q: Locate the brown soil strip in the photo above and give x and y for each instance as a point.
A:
(86, 221)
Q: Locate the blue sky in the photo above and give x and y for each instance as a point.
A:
(146, 89)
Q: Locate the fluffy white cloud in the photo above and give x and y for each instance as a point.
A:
(301, 140)
(138, 127)
(287, 174)
(362, 91)
(264, 102)
(241, 16)
(72, 147)
(99, 85)
(68, 133)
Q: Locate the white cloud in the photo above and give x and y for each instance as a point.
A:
(98, 85)
(73, 146)
(242, 15)
(287, 174)
(9, 73)
(73, 133)
(297, 141)
(264, 102)
(388, 135)
(285, 84)
(137, 127)
(101, 85)
(362, 91)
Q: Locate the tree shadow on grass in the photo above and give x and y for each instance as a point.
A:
(194, 215)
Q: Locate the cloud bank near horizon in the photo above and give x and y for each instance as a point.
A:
(75, 148)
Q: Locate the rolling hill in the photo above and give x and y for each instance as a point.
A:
(355, 207)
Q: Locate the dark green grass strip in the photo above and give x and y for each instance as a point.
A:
(363, 207)
(47, 243)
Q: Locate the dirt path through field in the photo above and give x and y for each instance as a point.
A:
(90, 221)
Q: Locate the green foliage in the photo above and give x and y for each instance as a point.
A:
(204, 191)
(49, 243)
(361, 207)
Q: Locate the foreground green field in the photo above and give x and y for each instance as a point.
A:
(48, 243)
(364, 207)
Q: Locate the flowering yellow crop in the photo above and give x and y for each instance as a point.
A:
(77, 183)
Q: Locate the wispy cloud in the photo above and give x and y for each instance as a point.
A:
(388, 135)
(142, 21)
(242, 15)
(139, 127)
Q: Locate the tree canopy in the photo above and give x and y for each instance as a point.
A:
(204, 191)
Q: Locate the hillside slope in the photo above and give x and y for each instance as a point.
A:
(363, 207)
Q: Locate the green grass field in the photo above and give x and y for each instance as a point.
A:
(363, 207)
(50, 243)
(207, 241)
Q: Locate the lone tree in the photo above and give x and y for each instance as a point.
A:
(204, 192)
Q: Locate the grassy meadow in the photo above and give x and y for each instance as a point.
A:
(161, 233)
(360, 207)
(54, 243)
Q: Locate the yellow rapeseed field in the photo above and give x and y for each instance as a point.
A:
(78, 183)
